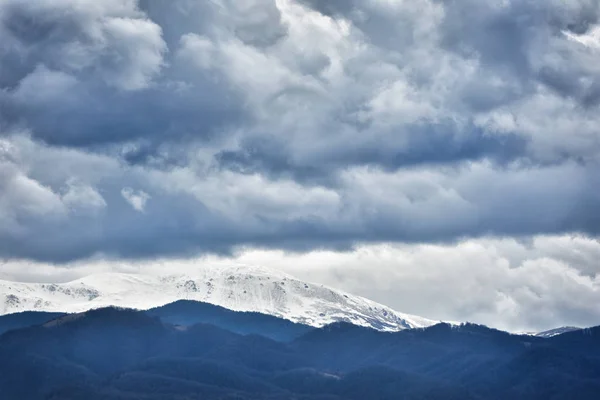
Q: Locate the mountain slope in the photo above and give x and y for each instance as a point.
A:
(123, 354)
(25, 319)
(557, 331)
(239, 288)
(185, 313)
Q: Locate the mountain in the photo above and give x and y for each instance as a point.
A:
(125, 354)
(184, 313)
(25, 319)
(557, 331)
(238, 288)
(189, 312)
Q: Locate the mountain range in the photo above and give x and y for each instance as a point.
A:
(238, 288)
(190, 350)
(249, 333)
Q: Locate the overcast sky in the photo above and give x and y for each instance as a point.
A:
(441, 157)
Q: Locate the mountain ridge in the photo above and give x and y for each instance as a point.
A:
(238, 288)
(116, 353)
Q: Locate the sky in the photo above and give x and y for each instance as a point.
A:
(441, 157)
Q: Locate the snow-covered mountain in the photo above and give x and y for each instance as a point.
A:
(557, 331)
(550, 332)
(239, 288)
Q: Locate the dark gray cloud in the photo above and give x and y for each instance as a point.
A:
(432, 144)
(87, 76)
(138, 129)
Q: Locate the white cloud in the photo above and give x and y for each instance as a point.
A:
(81, 197)
(589, 39)
(503, 283)
(137, 199)
(110, 39)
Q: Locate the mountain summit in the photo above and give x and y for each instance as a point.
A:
(239, 288)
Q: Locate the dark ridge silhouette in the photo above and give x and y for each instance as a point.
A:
(121, 354)
(25, 319)
(188, 312)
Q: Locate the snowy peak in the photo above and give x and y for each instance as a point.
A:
(557, 331)
(239, 288)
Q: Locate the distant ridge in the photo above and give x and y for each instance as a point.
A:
(115, 353)
(557, 331)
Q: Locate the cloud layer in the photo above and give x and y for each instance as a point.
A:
(141, 129)
(439, 157)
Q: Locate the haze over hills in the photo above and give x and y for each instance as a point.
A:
(239, 288)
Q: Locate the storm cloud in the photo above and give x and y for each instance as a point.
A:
(171, 129)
